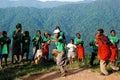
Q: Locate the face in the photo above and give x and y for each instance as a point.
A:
(71, 41)
(99, 33)
(56, 34)
(38, 33)
(78, 35)
(113, 33)
(46, 34)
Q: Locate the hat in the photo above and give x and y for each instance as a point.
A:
(56, 31)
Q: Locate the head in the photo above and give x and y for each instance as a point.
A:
(46, 34)
(57, 27)
(19, 27)
(71, 41)
(38, 32)
(100, 32)
(112, 32)
(4, 33)
(78, 35)
(26, 33)
(56, 33)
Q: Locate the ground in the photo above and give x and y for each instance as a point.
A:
(74, 74)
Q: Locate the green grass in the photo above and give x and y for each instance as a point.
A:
(16, 71)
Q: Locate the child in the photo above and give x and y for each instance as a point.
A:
(80, 48)
(25, 45)
(5, 41)
(71, 51)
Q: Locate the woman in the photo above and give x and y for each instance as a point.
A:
(114, 39)
(45, 46)
(37, 40)
(80, 48)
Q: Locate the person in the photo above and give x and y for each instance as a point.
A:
(71, 51)
(16, 44)
(104, 52)
(60, 58)
(78, 41)
(115, 40)
(62, 34)
(45, 46)
(25, 45)
(5, 41)
(94, 51)
(37, 41)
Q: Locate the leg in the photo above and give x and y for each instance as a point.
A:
(27, 55)
(92, 58)
(60, 62)
(112, 65)
(103, 65)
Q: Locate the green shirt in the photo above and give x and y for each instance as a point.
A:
(39, 38)
(5, 49)
(18, 37)
(5, 41)
(78, 41)
(45, 39)
(26, 42)
(60, 44)
(113, 39)
(94, 46)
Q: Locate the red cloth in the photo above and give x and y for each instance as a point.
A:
(46, 50)
(80, 51)
(114, 52)
(104, 51)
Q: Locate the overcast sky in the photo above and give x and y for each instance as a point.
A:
(56, 0)
(63, 0)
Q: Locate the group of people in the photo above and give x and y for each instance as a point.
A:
(104, 47)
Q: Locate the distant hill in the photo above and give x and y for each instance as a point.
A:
(84, 18)
(35, 3)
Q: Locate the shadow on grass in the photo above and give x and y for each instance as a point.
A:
(15, 71)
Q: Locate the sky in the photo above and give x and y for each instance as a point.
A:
(56, 0)
(62, 0)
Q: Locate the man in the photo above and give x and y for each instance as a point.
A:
(104, 52)
(60, 59)
(94, 51)
(16, 44)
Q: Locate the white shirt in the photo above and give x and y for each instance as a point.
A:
(71, 47)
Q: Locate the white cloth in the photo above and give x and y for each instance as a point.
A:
(71, 47)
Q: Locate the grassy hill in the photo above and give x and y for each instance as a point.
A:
(84, 18)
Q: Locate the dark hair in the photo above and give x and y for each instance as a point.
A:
(101, 30)
(4, 32)
(112, 31)
(18, 26)
(77, 34)
(72, 40)
(27, 33)
(38, 31)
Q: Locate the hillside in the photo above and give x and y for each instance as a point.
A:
(84, 18)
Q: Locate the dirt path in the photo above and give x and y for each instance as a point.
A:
(76, 74)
